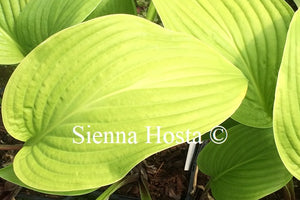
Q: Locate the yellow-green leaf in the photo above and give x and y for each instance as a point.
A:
(42, 18)
(10, 51)
(251, 34)
(107, 7)
(117, 73)
(287, 101)
(8, 174)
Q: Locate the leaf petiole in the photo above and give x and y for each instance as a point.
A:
(11, 147)
(151, 12)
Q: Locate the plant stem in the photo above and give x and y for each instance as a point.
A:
(11, 147)
(151, 12)
(288, 191)
(205, 192)
(297, 2)
(195, 181)
(144, 190)
(109, 191)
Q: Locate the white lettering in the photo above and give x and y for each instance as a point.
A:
(149, 134)
(97, 135)
(179, 136)
(78, 134)
(132, 138)
(166, 137)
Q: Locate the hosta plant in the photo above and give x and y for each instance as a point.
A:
(95, 99)
(252, 35)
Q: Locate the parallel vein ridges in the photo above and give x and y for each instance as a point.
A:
(99, 82)
(34, 27)
(257, 65)
(287, 104)
(251, 34)
(10, 51)
(253, 172)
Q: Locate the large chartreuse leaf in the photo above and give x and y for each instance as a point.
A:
(114, 73)
(107, 7)
(251, 34)
(41, 18)
(10, 51)
(297, 2)
(247, 166)
(8, 173)
(287, 102)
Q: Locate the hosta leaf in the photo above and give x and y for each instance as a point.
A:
(41, 18)
(251, 34)
(8, 174)
(297, 2)
(9, 12)
(107, 7)
(114, 73)
(287, 102)
(10, 51)
(247, 166)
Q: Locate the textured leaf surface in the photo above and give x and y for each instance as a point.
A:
(247, 166)
(8, 174)
(9, 12)
(40, 19)
(107, 7)
(10, 52)
(251, 34)
(115, 73)
(287, 102)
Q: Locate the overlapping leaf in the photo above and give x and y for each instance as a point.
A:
(41, 18)
(9, 12)
(249, 33)
(8, 174)
(10, 51)
(287, 101)
(115, 73)
(247, 166)
(20, 31)
(107, 7)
